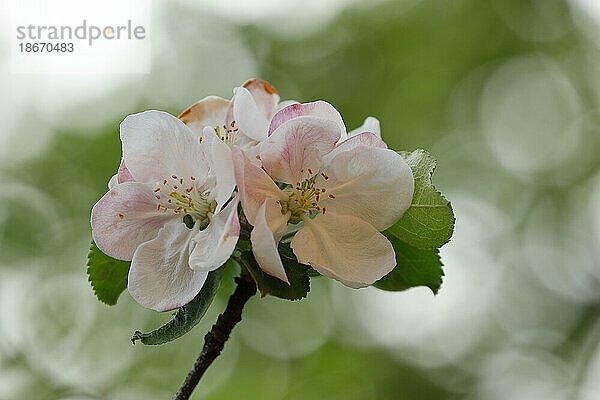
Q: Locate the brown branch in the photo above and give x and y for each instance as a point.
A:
(214, 341)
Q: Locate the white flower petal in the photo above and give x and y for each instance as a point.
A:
(122, 175)
(160, 277)
(345, 248)
(221, 166)
(157, 145)
(252, 151)
(126, 217)
(361, 139)
(284, 104)
(249, 119)
(210, 111)
(370, 183)
(276, 221)
(254, 185)
(298, 146)
(371, 124)
(318, 109)
(215, 244)
(265, 96)
(264, 243)
(209, 136)
(113, 181)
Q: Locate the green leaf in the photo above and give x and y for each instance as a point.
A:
(188, 220)
(313, 273)
(107, 275)
(415, 267)
(268, 285)
(243, 245)
(288, 256)
(186, 317)
(429, 222)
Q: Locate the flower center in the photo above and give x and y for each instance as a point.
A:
(303, 198)
(227, 133)
(181, 195)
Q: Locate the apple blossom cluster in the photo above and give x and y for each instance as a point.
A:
(252, 169)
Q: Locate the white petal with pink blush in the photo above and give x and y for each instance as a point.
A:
(370, 124)
(168, 193)
(160, 277)
(345, 194)
(214, 245)
(242, 121)
(345, 248)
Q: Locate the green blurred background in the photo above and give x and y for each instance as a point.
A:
(504, 93)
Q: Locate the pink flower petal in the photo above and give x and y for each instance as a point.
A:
(361, 139)
(294, 151)
(319, 109)
(345, 248)
(113, 181)
(157, 145)
(160, 277)
(367, 182)
(249, 119)
(254, 185)
(265, 96)
(371, 124)
(126, 217)
(214, 245)
(210, 111)
(123, 175)
(264, 242)
(218, 154)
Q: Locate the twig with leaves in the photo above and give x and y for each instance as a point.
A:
(280, 189)
(215, 339)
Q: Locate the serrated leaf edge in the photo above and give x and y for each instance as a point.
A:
(89, 278)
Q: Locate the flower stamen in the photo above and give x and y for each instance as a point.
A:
(304, 198)
(227, 134)
(183, 196)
